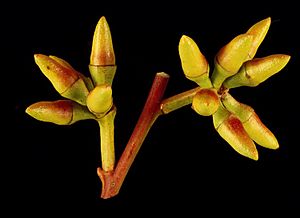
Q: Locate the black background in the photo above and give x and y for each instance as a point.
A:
(183, 165)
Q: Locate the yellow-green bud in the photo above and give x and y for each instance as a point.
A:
(230, 58)
(206, 102)
(194, 64)
(257, 71)
(102, 49)
(65, 79)
(100, 100)
(259, 31)
(233, 55)
(251, 122)
(260, 133)
(231, 130)
(102, 60)
(61, 112)
(242, 111)
(88, 82)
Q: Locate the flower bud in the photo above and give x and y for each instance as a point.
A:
(260, 133)
(242, 111)
(230, 58)
(251, 122)
(259, 31)
(257, 71)
(99, 101)
(233, 55)
(102, 49)
(87, 81)
(206, 102)
(231, 130)
(61, 112)
(65, 80)
(102, 60)
(194, 64)
(61, 77)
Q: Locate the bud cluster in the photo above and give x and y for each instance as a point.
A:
(234, 66)
(89, 98)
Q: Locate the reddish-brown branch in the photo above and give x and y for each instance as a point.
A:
(112, 181)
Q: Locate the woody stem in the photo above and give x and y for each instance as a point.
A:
(154, 107)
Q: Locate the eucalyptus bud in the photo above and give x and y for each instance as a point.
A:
(100, 100)
(102, 53)
(231, 130)
(102, 60)
(251, 122)
(230, 58)
(194, 64)
(257, 71)
(88, 82)
(65, 80)
(259, 31)
(61, 112)
(206, 102)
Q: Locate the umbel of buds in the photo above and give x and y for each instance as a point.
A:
(88, 98)
(235, 122)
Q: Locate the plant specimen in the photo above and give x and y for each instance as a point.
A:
(92, 97)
